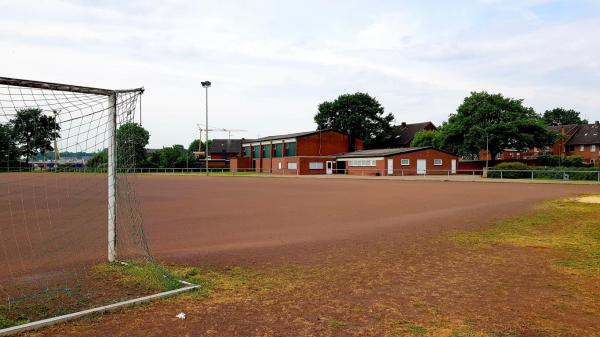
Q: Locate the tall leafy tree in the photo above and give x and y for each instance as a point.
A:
(360, 115)
(504, 121)
(562, 116)
(8, 148)
(132, 140)
(426, 138)
(34, 132)
(175, 156)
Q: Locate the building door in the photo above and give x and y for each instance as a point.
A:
(453, 166)
(421, 166)
(329, 167)
(390, 167)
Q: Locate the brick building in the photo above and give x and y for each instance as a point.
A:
(312, 152)
(398, 161)
(585, 143)
(573, 140)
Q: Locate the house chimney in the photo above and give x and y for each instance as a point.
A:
(597, 123)
(351, 142)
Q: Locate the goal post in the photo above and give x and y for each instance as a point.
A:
(68, 202)
(112, 144)
(112, 181)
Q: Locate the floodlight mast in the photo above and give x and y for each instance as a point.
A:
(206, 85)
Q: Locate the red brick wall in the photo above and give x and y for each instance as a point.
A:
(429, 155)
(377, 170)
(359, 145)
(323, 144)
(283, 161)
(305, 164)
(239, 164)
(587, 154)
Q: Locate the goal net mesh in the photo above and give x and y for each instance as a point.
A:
(54, 196)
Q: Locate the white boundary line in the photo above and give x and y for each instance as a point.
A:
(112, 307)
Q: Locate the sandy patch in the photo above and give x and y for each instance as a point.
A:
(590, 199)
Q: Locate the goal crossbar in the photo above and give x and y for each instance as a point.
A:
(64, 87)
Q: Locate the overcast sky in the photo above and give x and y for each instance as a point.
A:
(273, 62)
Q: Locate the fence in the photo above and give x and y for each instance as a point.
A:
(501, 174)
(546, 174)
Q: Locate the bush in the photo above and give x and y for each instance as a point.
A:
(549, 160)
(513, 171)
(516, 170)
(573, 161)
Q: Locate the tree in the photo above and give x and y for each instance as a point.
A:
(34, 132)
(132, 140)
(426, 138)
(358, 114)
(504, 121)
(100, 159)
(194, 146)
(175, 156)
(131, 147)
(8, 148)
(561, 116)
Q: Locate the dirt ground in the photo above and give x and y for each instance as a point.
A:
(343, 257)
(255, 221)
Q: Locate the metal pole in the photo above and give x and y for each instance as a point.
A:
(206, 154)
(112, 181)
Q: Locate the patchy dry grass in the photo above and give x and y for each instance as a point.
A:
(144, 275)
(480, 287)
(101, 287)
(567, 226)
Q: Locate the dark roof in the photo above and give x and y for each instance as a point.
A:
(406, 132)
(587, 134)
(569, 128)
(383, 152)
(289, 135)
(225, 146)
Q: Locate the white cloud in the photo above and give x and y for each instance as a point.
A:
(272, 63)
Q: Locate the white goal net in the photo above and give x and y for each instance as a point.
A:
(64, 151)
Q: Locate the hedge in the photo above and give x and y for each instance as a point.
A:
(515, 170)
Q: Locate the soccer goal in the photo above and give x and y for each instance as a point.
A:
(67, 198)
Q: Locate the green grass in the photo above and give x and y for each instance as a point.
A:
(569, 227)
(416, 329)
(142, 277)
(145, 275)
(6, 321)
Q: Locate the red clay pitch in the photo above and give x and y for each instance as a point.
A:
(52, 222)
(248, 220)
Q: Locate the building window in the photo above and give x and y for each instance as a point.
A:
(315, 166)
(362, 162)
(290, 149)
(437, 162)
(256, 151)
(405, 162)
(592, 148)
(246, 151)
(292, 166)
(278, 150)
(581, 148)
(266, 151)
